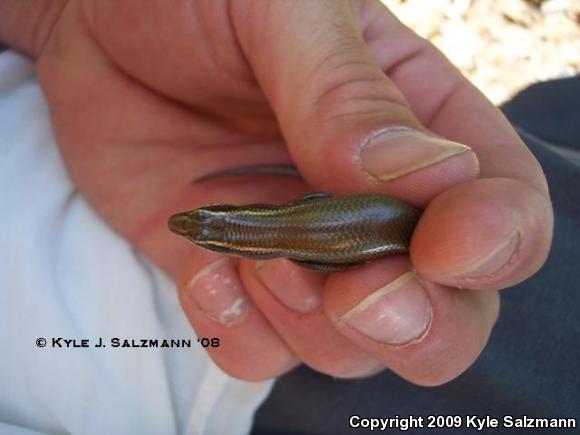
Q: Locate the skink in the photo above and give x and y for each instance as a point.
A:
(318, 231)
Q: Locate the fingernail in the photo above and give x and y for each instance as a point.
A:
(217, 291)
(298, 290)
(499, 257)
(397, 151)
(397, 314)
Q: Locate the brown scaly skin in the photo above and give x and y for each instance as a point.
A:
(318, 231)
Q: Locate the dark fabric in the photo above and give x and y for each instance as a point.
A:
(532, 362)
(549, 110)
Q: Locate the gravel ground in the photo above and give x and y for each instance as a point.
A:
(500, 45)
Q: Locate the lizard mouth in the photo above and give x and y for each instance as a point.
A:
(194, 225)
(182, 224)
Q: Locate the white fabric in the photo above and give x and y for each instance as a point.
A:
(64, 273)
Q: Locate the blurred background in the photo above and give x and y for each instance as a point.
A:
(500, 45)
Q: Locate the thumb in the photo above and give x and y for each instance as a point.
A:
(347, 126)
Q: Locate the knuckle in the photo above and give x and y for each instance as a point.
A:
(345, 84)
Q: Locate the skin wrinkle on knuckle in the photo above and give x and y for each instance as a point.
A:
(343, 62)
(452, 90)
(361, 96)
(336, 83)
(344, 83)
(376, 112)
(420, 51)
(352, 85)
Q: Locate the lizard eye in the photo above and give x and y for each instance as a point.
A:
(202, 215)
(210, 225)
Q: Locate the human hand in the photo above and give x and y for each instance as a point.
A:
(145, 97)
